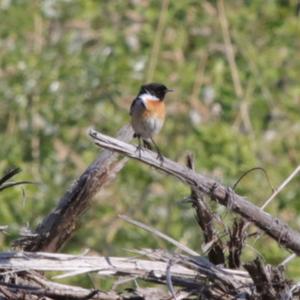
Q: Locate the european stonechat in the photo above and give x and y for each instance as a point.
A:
(148, 114)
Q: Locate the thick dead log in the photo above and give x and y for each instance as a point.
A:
(274, 227)
(59, 225)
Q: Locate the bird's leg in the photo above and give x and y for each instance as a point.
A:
(139, 146)
(159, 155)
(147, 145)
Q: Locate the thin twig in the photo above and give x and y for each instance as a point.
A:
(276, 192)
(11, 184)
(281, 187)
(159, 234)
(251, 170)
(169, 280)
(288, 259)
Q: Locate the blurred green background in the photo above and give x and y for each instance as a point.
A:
(70, 65)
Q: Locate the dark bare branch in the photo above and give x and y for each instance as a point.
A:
(269, 281)
(4, 184)
(205, 219)
(237, 237)
(274, 227)
(9, 174)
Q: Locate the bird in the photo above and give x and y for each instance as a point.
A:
(148, 113)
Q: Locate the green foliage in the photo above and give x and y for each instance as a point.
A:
(70, 65)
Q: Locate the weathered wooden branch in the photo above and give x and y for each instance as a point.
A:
(59, 225)
(36, 288)
(274, 227)
(73, 265)
(195, 273)
(48, 290)
(20, 285)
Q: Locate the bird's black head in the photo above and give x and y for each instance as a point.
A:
(156, 89)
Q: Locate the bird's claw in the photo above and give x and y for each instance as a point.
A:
(160, 157)
(139, 150)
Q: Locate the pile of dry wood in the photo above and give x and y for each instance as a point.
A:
(217, 273)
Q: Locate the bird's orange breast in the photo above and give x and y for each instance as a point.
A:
(155, 108)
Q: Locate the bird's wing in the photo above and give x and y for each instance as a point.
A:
(132, 105)
(137, 102)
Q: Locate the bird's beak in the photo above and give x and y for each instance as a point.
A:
(170, 90)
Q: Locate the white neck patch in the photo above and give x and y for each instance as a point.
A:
(147, 96)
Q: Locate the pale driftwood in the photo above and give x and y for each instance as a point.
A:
(59, 225)
(72, 265)
(76, 264)
(274, 227)
(195, 273)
